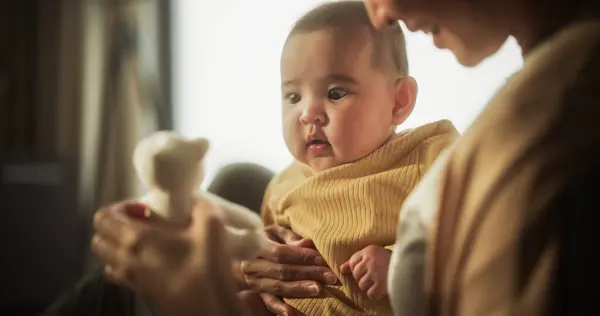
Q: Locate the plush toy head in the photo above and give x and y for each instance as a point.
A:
(169, 163)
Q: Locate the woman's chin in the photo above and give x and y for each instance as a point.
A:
(469, 60)
(472, 57)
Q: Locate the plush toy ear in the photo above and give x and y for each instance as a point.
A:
(200, 146)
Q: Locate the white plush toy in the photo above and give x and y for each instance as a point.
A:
(171, 168)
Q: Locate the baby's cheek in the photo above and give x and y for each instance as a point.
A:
(349, 142)
(292, 135)
(365, 139)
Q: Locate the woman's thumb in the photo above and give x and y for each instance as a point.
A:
(304, 243)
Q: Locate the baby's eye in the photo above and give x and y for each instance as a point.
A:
(292, 98)
(336, 94)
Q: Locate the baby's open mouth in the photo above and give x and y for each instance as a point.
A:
(317, 142)
(317, 146)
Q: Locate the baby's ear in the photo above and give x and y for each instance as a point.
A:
(200, 146)
(405, 99)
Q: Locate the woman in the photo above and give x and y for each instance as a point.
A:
(520, 173)
(506, 198)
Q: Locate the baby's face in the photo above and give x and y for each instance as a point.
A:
(337, 107)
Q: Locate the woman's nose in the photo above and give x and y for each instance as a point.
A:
(381, 12)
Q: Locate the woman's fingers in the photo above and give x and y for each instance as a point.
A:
(112, 241)
(298, 289)
(254, 303)
(110, 223)
(304, 243)
(120, 277)
(287, 272)
(135, 209)
(122, 241)
(238, 273)
(288, 254)
(105, 250)
(276, 305)
(167, 265)
(281, 234)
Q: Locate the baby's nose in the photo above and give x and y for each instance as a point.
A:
(313, 114)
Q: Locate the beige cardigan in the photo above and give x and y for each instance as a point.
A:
(495, 240)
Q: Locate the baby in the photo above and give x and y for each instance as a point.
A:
(345, 90)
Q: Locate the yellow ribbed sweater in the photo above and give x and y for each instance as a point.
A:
(349, 207)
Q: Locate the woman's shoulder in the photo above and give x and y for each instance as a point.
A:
(559, 79)
(563, 55)
(547, 115)
(559, 82)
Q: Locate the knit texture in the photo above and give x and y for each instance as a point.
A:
(349, 207)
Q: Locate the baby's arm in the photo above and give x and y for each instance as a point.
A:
(369, 267)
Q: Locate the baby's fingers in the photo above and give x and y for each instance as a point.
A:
(350, 265)
(377, 291)
(345, 267)
(361, 273)
(366, 282)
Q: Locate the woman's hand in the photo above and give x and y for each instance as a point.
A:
(289, 267)
(178, 270)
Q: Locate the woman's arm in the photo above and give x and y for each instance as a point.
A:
(94, 296)
(186, 271)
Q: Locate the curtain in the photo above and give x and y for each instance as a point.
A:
(126, 93)
(83, 80)
(40, 61)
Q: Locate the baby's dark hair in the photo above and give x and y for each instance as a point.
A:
(389, 47)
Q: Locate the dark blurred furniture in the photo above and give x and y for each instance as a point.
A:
(242, 183)
(42, 237)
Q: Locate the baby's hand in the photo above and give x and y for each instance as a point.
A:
(369, 267)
